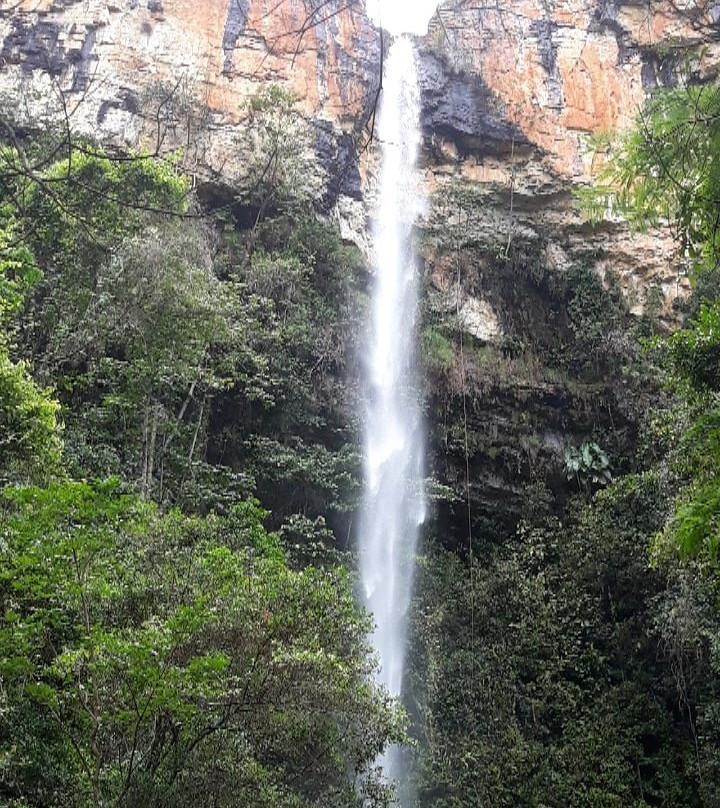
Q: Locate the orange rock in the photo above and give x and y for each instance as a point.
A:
(552, 73)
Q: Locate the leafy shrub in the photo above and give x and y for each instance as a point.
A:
(173, 660)
(588, 465)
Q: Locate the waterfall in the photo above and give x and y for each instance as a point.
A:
(394, 503)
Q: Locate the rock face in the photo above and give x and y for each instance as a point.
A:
(512, 91)
(166, 74)
(512, 94)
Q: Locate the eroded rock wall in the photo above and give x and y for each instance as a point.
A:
(513, 93)
(166, 74)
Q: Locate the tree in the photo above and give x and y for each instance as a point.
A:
(278, 138)
(29, 439)
(161, 660)
(123, 312)
(667, 169)
(74, 215)
(142, 357)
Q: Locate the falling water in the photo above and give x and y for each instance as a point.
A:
(394, 504)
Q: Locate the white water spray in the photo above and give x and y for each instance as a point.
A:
(394, 503)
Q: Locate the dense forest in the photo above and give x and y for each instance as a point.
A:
(566, 649)
(165, 369)
(180, 466)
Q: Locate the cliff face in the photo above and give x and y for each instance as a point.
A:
(562, 69)
(179, 74)
(512, 91)
(511, 94)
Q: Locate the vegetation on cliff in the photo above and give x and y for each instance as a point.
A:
(167, 372)
(160, 367)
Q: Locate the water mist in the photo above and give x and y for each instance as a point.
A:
(394, 503)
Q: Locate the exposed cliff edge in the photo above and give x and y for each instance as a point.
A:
(178, 75)
(511, 94)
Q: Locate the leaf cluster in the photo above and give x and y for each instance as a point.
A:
(588, 464)
(178, 659)
(667, 169)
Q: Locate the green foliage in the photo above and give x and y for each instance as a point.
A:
(694, 351)
(73, 215)
(278, 139)
(694, 457)
(588, 464)
(171, 377)
(695, 525)
(298, 308)
(667, 169)
(158, 299)
(18, 272)
(83, 204)
(596, 322)
(309, 541)
(436, 350)
(143, 359)
(544, 676)
(313, 477)
(29, 438)
(149, 658)
(691, 355)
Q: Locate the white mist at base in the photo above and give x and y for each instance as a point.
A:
(394, 501)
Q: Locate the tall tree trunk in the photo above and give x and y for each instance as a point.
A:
(150, 427)
(151, 449)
